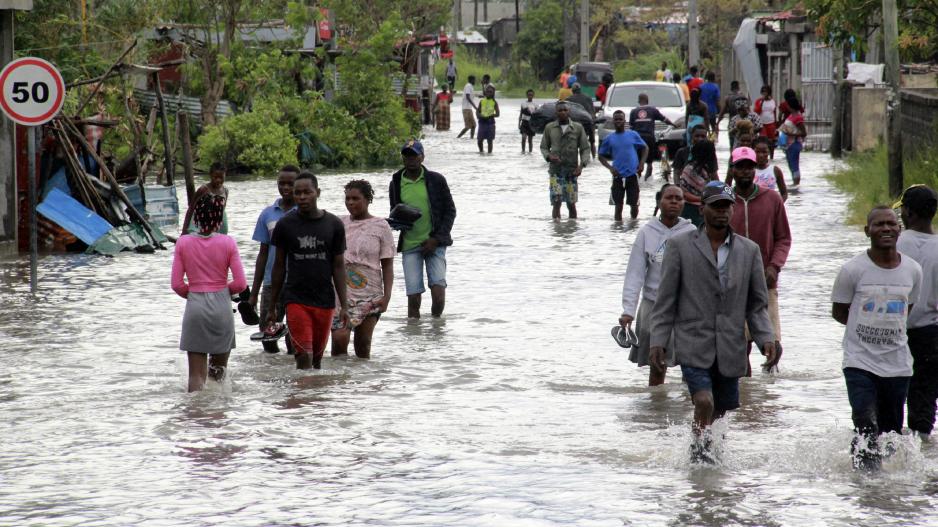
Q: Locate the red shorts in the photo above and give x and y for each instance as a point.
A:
(768, 130)
(310, 328)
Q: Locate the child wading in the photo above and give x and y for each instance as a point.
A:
(488, 111)
(524, 123)
(215, 186)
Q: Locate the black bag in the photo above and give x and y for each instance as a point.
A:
(403, 216)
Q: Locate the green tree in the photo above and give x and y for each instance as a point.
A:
(539, 41)
(851, 22)
(81, 48)
(362, 18)
(212, 35)
(382, 121)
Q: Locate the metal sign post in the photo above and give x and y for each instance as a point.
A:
(32, 92)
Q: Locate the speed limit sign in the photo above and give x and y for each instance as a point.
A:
(31, 91)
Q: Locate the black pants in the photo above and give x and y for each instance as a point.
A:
(923, 390)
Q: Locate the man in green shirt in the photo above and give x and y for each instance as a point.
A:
(424, 244)
(566, 147)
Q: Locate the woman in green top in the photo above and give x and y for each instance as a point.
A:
(487, 112)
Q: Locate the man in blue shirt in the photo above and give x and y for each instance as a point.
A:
(710, 95)
(267, 254)
(619, 153)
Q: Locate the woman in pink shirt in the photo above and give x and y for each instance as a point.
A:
(208, 324)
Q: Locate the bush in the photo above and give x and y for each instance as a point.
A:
(255, 141)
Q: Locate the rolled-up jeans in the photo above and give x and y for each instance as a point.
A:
(414, 262)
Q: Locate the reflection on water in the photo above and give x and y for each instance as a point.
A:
(515, 409)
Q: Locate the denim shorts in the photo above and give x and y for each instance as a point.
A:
(414, 261)
(725, 390)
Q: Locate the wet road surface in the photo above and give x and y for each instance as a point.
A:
(515, 409)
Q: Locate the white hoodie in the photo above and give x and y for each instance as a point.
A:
(644, 271)
(923, 248)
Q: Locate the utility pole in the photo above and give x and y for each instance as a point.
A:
(837, 128)
(517, 19)
(485, 10)
(458, 17)
(693, 37)
(893, 114)
(475, 13)
(584, 30)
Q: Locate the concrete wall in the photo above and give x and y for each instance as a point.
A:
(927, 80)
(868, 117)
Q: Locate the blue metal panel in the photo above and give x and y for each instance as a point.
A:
(73, 216)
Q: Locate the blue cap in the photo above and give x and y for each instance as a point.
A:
(412, 146)
(718, 191)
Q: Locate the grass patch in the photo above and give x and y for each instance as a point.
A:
(866, 179)
(643, 67)
(510, 82)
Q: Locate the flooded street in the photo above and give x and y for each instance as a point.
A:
(515, 409)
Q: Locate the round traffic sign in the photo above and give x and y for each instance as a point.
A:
(31, 91)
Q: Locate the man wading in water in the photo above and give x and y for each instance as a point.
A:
(264, 265)
(712, 282)
(917, 210)
(425, 243)
(564, 140)
(310, 270)
(873, 295)
(619, 152)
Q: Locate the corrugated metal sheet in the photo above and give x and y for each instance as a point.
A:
(190, 105)
(817, 93)
(817, 62)
(397, 82)
(162, 207)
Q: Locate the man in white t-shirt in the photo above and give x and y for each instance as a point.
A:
(468, 109)
(917, 209)
(872, 296)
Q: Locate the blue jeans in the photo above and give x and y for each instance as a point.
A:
(793, 156)
(414, 261)
(877, 405)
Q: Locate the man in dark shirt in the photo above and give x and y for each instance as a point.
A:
(584, 100)
(311, 248)
(642, 120)
(732, 102)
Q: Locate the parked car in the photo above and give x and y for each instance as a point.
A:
(547, 112)
(665, 96)
(590, 75)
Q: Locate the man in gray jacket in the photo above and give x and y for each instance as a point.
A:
(712, 282)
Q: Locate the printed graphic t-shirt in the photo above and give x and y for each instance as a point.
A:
(310, 244)
(875, 338)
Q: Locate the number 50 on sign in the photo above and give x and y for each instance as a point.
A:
(31, 91)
